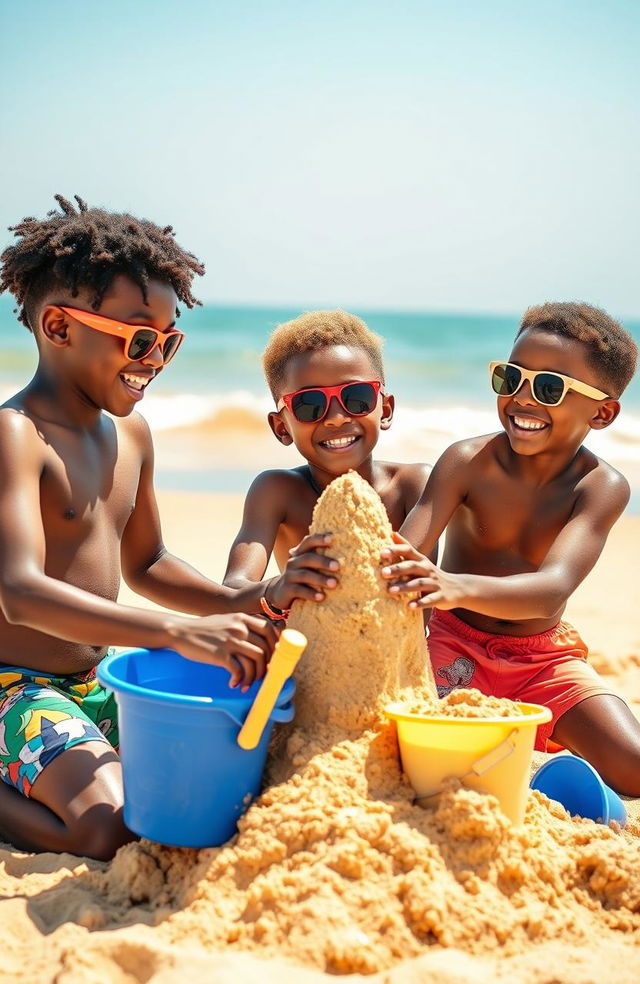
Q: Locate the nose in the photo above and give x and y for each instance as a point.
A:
(335, 415)
(525, 394)
(154, 358)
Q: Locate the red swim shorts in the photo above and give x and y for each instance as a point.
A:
(550, 668)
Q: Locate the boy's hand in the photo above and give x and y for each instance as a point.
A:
(241, 643)
(308, 574)
(412, 573)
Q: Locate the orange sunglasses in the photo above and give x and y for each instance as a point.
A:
(139, 340)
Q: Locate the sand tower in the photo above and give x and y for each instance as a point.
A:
(365, 647)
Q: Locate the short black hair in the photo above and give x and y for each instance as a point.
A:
(610, 350)
(86, 247)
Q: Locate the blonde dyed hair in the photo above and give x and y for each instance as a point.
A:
(316, 330)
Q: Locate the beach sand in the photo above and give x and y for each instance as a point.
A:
(65, 921)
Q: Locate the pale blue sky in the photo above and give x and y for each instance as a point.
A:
(464, 156)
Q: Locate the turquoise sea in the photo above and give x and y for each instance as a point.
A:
(436, 364)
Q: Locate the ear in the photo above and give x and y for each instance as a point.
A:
(606, 413)
(279, 428)
(388, 406)
(54, 326)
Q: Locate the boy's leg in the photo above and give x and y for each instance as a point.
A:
(589, 719)
(67, 782)
(76, 805)
(603, 730)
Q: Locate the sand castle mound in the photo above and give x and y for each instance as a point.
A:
(365, 647)
(335, 870)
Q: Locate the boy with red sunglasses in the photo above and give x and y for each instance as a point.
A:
(527, 513)
(77, 509)
(325, 372)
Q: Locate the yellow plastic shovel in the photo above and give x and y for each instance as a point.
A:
(287, 652)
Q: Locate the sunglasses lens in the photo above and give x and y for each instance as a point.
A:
(141, 344)
(309, 406)
(171, 346)
(505, 379)
(548, 388)
(359, 398)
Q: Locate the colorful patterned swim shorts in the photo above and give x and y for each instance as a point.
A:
(43, 715)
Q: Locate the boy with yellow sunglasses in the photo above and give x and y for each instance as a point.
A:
(527, 512)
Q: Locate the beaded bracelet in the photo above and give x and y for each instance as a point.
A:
(275, 614)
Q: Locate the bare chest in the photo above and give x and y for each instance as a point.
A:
(300, 512)
(514, 524)
(88, 486)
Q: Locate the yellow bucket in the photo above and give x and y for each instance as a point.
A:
(491, 755)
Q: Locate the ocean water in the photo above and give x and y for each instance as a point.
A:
(436, 365)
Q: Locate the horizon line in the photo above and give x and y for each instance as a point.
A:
(8, 299)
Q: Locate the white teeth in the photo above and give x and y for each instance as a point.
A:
(339, 442)
(528, 424)
(138, 382)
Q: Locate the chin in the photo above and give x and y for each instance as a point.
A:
(524, 448)
(120, 411)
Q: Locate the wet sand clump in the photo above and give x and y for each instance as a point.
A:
(365, 647)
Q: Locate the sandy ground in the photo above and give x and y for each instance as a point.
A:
(53, 907)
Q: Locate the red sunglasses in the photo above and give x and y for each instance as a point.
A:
(311, 404)
(139, 340)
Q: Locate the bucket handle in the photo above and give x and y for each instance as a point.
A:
(280, 715)
(484, 764)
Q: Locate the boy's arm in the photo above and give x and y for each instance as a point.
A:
(29, 597)
(307, 574)
(444, 491)
(538, 594)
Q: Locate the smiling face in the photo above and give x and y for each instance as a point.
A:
(533, 427)
(339, 441)
(96, 364)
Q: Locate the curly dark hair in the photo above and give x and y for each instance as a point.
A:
(86, 248)
(610, 349)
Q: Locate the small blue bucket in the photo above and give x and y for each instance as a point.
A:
(186, 780)
(576, 784)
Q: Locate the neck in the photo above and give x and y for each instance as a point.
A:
(541, 469)
(55, 399)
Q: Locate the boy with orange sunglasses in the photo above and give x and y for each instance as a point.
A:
(527, 513)
(325, 372)
(99, 291)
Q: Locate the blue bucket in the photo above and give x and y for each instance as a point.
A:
(578, 787)
(186, 780)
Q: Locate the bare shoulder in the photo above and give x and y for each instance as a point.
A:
(470, 448)
(278, 487)
(135, 427)
(280, 480)
(401, 484)
(603, 486)
(471, 451)
(412, 475)
(18, 428)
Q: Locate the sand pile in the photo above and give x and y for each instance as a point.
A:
(463, 703)
(336, 870)
(365, 647)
